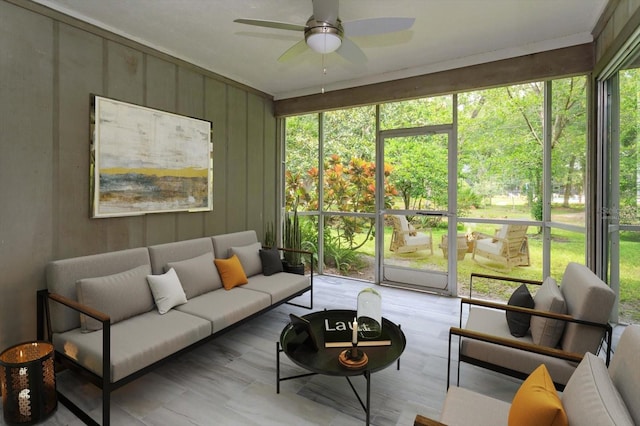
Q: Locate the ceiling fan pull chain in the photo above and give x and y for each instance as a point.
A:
(324, 73)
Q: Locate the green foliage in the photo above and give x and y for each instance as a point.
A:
(292, 239)
(269, 235)
(342, 258)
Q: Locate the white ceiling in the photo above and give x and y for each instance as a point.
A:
(447, 34)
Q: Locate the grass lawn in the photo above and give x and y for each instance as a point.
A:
(566, 246)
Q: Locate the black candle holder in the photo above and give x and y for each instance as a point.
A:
(353, 358)
(355, 354)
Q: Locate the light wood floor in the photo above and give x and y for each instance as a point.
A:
(232, 379)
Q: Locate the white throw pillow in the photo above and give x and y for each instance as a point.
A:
(249, 256)
(590, 398)
(167, 290)
(547, 331)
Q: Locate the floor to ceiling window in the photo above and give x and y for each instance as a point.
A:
(619, 139)
(516, 156)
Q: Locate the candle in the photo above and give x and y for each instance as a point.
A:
(354, 338)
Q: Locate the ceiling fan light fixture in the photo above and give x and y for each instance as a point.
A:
(323, 37)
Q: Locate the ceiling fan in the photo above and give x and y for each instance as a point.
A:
(324, 32)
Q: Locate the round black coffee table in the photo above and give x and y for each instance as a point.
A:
(325, 360)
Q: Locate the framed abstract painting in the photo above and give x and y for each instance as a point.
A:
(145, 161)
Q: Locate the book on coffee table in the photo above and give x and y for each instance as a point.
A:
(338, 333)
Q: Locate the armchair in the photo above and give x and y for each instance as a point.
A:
(407, 239)
(509, 246)
(566, 322)
(594, 395)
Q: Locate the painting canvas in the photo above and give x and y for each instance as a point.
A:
(148, 161)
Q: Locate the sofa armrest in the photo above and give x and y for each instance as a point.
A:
(516, 344)
(83, 309)
(426, 421)
(505, 307)
(499, 278)
(106, 330)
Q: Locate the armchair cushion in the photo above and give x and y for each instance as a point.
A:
(519, 322)
(587, 298)
(591, 398)
(537, 403)
(547, 331)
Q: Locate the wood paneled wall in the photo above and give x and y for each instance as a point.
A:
(50, 64)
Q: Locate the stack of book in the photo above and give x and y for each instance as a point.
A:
(338, 334)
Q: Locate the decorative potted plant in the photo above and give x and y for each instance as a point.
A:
(269, 235)
(293, 244)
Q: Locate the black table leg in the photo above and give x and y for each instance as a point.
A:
(278, 367)
(367, 376)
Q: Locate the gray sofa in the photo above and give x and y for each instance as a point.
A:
(102, 312)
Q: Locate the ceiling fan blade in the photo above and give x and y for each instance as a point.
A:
(270, 24)
(351, 52)
(293, 51)
(375, 26)
(325, 10)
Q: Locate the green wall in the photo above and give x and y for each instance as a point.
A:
(49, 66)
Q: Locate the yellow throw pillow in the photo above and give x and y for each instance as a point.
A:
(537, 403)
(231, 272)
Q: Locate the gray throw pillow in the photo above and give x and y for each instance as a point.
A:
(518, 322)
(249, 258)
(197, 275)
(120, 296)
(547, 331)
(271, 262)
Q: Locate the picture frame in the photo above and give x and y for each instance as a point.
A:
(302, 328)
(145, 160)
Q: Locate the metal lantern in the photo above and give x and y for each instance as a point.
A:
(27, 375)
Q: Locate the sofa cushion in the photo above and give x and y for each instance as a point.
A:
(491, 321)
(223, 242)
(271, 261)
(226, 307)
(591, 398)
(536, 403)
(518, 322)
(280, 286)
(547, 331)
(167, 290)
(587, 298)
(120, 296)
(135, 343)
(197, 275)
(63, 274)
(624, 371)
(466, 407)
(249, 256)
(231, 272)
(161, 254)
